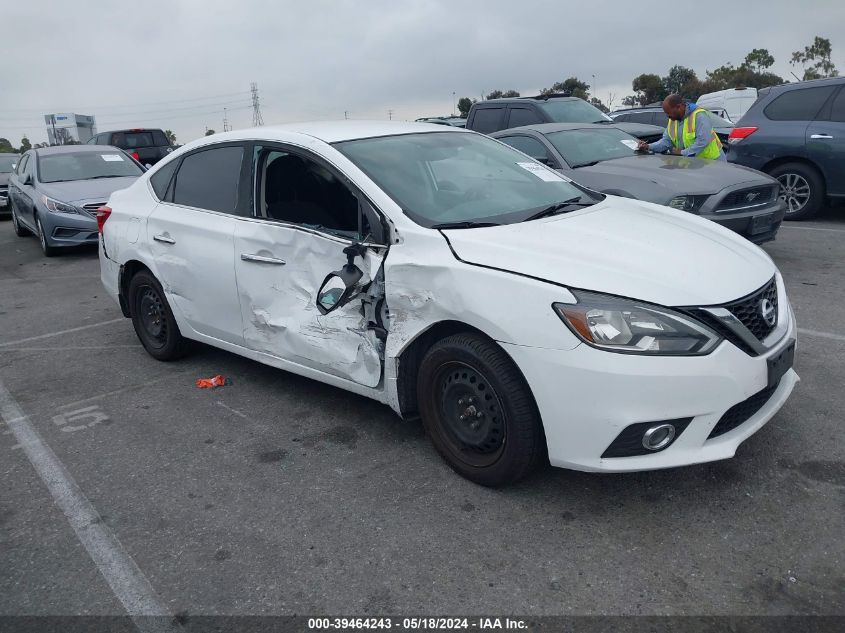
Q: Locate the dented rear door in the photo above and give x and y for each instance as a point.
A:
(279, 270)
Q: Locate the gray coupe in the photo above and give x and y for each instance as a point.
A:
(604, 158)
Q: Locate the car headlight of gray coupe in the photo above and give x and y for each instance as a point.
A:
(633, 327)
(57, 206)
(687, 203)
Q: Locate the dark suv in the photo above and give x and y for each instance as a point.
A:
(502, 114)
(796, 133)
(147, 146)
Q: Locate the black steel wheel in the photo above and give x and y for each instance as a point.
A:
(478, 410)
(153, 319)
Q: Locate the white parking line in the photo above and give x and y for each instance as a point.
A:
(126, 580)
(830, 335)
(52, 334)
(811, 228)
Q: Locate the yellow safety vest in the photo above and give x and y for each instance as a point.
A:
(713, 149)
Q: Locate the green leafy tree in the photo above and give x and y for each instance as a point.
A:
(209, 132)
(6, 147)
(681, 80)
(499, 94)
(464, 104)
(816, 59)
(597, 102)
(171, 137)
(25, 145)
(648, 88)
(571, 85)
(758, 60)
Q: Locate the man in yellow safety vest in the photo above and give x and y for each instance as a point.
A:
(689, 132)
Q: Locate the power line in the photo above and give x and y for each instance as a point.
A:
(133, 105)
(257, 120)
(146, 112)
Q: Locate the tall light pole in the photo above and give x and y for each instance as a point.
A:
(453, 103)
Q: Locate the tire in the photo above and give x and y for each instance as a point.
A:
(20, 230)
(478, 411)
(48, 250)
(802, 188)
(153, 319)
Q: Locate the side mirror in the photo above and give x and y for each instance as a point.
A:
(27, 180)
(337, 288)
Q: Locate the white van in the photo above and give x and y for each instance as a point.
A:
(730, 104)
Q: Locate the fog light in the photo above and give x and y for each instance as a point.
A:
(658, 437)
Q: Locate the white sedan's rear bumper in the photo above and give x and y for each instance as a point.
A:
(588, 396)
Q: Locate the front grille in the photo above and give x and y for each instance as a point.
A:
(748, 310)
(742, 412)
(748, 197)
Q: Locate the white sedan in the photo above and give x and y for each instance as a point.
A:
(436, 270)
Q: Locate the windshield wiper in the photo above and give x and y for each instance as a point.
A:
(464, 224)
(96, 177)
(590, 164)
(559, 207)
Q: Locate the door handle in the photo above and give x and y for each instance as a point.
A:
(820, 136)
(164, 238)
(261, 259)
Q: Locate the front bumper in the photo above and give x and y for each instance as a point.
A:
(64, 229)
(587, 396)
(758, 225)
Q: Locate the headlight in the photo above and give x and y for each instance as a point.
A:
(687, 203)
(56, 206)
(634, 327)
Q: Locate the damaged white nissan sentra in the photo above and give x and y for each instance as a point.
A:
(451, 277)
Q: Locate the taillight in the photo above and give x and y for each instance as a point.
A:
(739, 133)
(103, 214)
(136, 156)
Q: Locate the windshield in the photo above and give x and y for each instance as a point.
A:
(457, 177)
(588, 146)
(7, 163)
(85, 165)
(573, 111)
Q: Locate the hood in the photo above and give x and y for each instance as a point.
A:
(4, 178)
(627, 248)
(659, 178)
(79, 192)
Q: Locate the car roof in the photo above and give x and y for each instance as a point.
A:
(524, 99)
(548, 128)
(73, 149)
(133, 129)
(809, 82)
(332, 131)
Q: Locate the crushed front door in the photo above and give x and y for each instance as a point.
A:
(279, 269)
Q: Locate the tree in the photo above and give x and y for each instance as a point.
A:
(819, 52)
(6, 147)
(648, 88)
(498, 94)
(25, 145)
(681, 80)
(209, 132)
(171, 137)
(571, 85)
(464, 104)
(758, 60)
(597, 102)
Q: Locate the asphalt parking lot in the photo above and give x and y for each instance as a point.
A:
(279, 495)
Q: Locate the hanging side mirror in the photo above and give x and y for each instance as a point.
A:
(338, 287)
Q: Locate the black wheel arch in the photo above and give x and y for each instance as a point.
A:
(802, 160)
(127, 272)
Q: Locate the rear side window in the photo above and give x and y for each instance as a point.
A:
(838, 111)
(798, 105)
(622, 118)
(641, 117)
(523, 116)
(147, 138)
(487, 120)
(161, 179)
(209, 179)
(660, 119)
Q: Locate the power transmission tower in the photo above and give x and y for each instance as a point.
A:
(257, 120)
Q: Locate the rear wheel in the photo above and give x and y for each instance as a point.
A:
(48, 250)
(478, 410)
(153, 319)
(801, 188)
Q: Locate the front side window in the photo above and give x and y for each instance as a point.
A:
(522, 116)
(588, 146)
(445, 177)
(573, 111)
(528, 145)
(209, 179)
(87, 165)
(298, 190)
(798, 105)
(487, 120)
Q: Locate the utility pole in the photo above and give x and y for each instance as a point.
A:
(225, 121)
(346, 114)
(257, 119)
(390, 115)
(453, 103)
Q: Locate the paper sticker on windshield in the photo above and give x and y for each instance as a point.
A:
(112, 158)
(630, 143)
(541, 172)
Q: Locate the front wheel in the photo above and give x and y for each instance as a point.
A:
(478, 410)
(153, 319)
(801, 188)
(48, 250)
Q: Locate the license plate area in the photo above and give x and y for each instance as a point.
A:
(762, 223)
(781, 363)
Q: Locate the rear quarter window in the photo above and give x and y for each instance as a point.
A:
(802, 104)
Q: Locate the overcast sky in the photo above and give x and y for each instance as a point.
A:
(177, 63)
